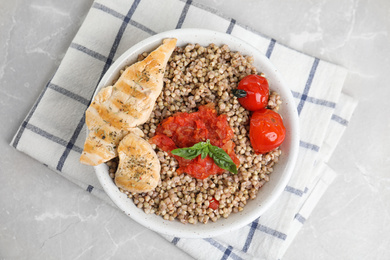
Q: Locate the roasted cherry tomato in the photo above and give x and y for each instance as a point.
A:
(252, 92)
(214, 204)
(266, 130)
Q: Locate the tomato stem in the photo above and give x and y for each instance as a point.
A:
(239, 93)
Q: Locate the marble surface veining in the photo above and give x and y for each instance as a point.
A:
(43, 216)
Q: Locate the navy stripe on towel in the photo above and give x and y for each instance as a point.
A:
(250, 235)
(89, 52)
(222, 248)
(50, 137)
(118, 37)
(231, 26)
(183, 14)
(309, 146)
(308, 85)
(340, 120)
(89, 188)
(270, 48)
(316, 101)
(69, 94)
(227, 253)
(70, 144)
(122, 17)
(294, 191)
(175, 240)
(272, 232)
(300, 218)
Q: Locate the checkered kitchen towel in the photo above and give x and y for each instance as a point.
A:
(54, 130)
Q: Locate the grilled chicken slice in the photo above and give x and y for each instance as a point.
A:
(103, 145)
(118, 109)
(139, 167)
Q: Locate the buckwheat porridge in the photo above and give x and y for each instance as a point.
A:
(196, 76)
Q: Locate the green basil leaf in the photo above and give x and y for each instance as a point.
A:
(200, 145)
(193, 151)
(205, 152)
(229, 166)
(220, 153)
(222, 159)
(187, 153)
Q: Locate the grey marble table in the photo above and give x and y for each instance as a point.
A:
(43, 216)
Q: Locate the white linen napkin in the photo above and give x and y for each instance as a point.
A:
(54, 130)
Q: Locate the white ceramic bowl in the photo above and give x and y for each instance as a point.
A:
(267, 195)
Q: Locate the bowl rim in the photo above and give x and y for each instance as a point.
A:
(119, 198)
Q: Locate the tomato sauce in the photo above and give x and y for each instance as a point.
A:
(186, 129)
